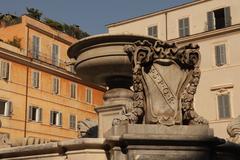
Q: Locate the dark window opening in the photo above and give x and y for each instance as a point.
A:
(2, 107)
(219, 18)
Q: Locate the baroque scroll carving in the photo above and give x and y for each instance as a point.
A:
(165, 79)
(233, 130)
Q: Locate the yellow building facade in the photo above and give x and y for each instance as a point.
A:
(40, 96)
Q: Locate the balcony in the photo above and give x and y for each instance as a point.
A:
(46, 58)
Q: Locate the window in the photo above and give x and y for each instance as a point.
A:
(72, 69)
(35, 79)
(220, 55)
(72, 121)
(152, 31)
(89, 96)
(219, 18)
(5, 108)
(35, 47)
(55, 55)
(56, 85)
(35, 114)
(224, 110)
(4, 70)
(183, 26)
(73, 90)
(56, 118)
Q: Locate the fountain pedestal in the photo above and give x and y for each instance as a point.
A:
(154, 142)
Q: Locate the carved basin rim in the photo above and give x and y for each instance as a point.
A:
(80, 46)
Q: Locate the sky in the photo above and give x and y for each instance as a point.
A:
(90, 15)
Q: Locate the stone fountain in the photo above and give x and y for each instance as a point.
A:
(158, 120)
(148, 111)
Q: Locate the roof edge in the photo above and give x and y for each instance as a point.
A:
(184, 5)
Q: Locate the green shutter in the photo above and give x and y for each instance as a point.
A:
(227, 16)
(210, 21)
(60, 119)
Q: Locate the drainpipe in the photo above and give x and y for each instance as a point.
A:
(26, 97)
(166, 21)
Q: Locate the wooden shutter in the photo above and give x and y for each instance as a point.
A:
(51, 117)
(224, 106)
(220, 55)
(35, 43)
(73, 90)
(55, 54)
(30, 112)
(35, 79)
(227, 16)
(180, 27)
(8, 108)
(40, 115)
(4, 70)
(155, 31)
(55, 85)
(210, 21)
(186, 26)
(60, 119)
(72, 121)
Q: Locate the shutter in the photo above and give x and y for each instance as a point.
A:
(180, 27)
(30, 113)
(60, 119)
(150, 31)
(40, 114)
(8, 108)
(217, 55)
(35, 79)
(55, 54)
(210, 21)
(4, 70)
(51, 117)
(226, 103)
(220, 106)
(223, 54)
(55, 85)
(155, 31)
(186, 26)
(227, 16)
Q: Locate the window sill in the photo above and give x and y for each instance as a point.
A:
(221, 120)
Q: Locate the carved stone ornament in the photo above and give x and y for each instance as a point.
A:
(233, 130)
(165, 79)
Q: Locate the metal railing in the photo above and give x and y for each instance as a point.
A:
(46, 58)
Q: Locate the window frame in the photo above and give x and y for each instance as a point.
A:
(58, 122)
(151, 27)
(58, 55)
(39, 48)
(5, 77)
(30, 117)
(39, 79)
(183, 28)
(73, 84)
(56, 92)
(215, 54)
(89, 89)
(222, 92)
(75, 122)
(8, 108)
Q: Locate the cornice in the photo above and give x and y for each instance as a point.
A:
(205, 35)
(48, 34)
(43, 66)
(164, 11)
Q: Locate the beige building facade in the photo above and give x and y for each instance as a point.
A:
(215, 26)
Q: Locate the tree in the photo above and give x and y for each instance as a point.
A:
(54, 24)
(34, 13)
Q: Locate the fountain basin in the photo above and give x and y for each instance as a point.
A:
(101, 59)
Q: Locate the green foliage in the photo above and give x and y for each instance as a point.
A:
(53, 24)
(72, 30)
(9, 19)
(34, 13)
(15, 42)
